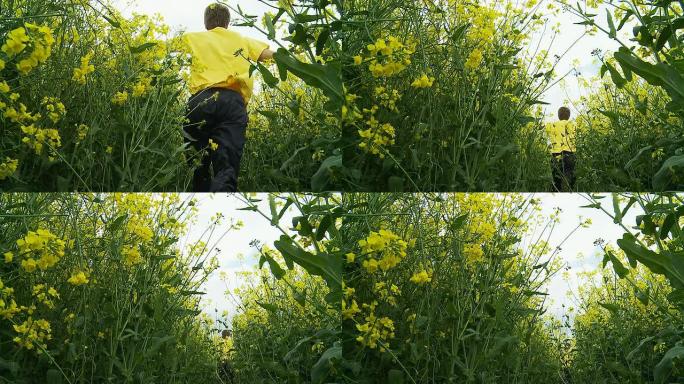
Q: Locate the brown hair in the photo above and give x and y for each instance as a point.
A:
(216, 15)
(564, 113)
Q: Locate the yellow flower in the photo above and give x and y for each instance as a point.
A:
(8, 168)
(473, 253)
(29, 265)
(4, 87)
(109, 150)
(358, 60)
(475, 59)
(78, 278)
(16, 42)
(421, 277)
(2, 64)
(214, 146)
(8, 257)
(423, 82)
(350, 257)
(85, 69)
(131, 256)
(120, 98)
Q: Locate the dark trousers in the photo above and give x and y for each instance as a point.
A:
(219, 115)
(563, 167)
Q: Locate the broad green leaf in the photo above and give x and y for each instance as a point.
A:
(664, 178)
(327, 266)
(395, 376)
(613, 308)
(322, 178)
(266, 306)
(327, 78)
(611, 25)
(321, 370)
(663, 369)
(142, 48)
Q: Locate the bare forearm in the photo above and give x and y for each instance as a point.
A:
(267, 54)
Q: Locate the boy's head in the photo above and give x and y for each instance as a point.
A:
(216, 15)
(564, 113)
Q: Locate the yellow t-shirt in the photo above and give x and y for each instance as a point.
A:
(562, 136)
(214, 64)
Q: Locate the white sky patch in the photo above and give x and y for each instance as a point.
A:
(236, 254)
(565, 44)
(578, 253)
(188, 15)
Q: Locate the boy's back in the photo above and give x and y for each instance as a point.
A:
(216, 64)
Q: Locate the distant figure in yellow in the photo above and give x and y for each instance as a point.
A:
(562, 137)
(221, 88)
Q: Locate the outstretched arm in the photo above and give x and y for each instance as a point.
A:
(267, 54)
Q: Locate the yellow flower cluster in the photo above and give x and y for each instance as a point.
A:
(84, 70)
(131, 256)
(423, 82)
(55, 108)
(45, 295)
(18, 40)
(140, 88)
(387, 292)
(389, 57)
(35, 138)
(33, 332)
(7, 311)
(120, 98)
(82, 132)
(348, 312)
(388, 99)
(8, 167)
(473, 253)
(78, 278)
(383, 250)
(375, 330)
(422, 277)
(212, 145)
(377, 136)
(42, 244)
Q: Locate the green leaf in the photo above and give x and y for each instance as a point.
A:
(616, 209)
(329, 267)
(266, 306)
(116, 224)
(662, 370)
(53, 376)
(321, 370)
(111, 21)
(321, 179)
(269, 26)
(276, 270)
(327, 78)
(615, 76)
(610, 307)
(269, 79)
(142, 48)
(663, 179)
(658, 263)
(611, 25)
(395, 376)
(619, 269)
(326, 222)
(626, 17)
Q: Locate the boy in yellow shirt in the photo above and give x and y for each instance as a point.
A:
(221, 88)
(562, 137)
